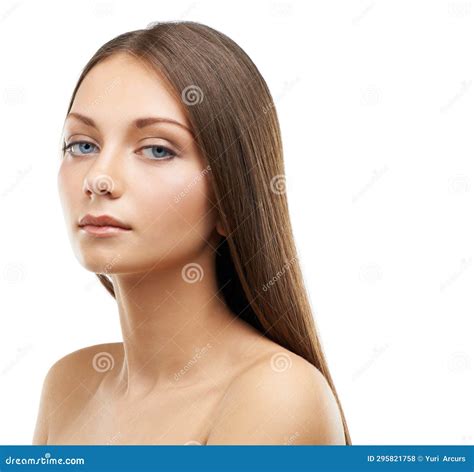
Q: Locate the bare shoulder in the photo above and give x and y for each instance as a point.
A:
(77, 370)
(281, 399)
(83, 364)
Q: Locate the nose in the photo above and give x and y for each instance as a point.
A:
(103, 177)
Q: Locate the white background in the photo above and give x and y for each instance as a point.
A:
(376, 105)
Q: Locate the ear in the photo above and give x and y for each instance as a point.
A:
(220, 228)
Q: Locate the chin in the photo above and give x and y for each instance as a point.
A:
(100, 261)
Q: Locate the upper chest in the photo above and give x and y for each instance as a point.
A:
(164, 418)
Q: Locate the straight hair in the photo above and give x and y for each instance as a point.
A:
(236, 129)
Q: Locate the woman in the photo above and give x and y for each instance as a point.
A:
(172, 186)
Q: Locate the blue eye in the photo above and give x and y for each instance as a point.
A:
(84, 148)
(160, 153)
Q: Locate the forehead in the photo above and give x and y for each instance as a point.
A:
(122, 88)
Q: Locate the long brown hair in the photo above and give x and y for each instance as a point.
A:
(236, 128)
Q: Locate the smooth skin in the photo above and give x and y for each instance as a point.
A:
(188, 371)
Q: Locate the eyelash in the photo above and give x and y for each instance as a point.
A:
(171, 153)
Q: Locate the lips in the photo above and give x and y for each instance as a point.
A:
(103, 220)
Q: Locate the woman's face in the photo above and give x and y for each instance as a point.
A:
(149, 175)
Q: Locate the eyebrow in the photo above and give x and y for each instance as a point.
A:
(138, 123)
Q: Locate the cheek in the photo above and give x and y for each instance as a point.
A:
(177, 211)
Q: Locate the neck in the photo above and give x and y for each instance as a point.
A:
(168, 325)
